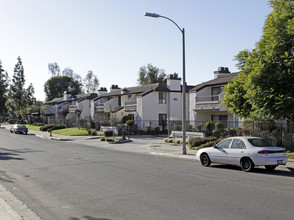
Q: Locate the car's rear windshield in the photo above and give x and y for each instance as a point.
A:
(257, 142)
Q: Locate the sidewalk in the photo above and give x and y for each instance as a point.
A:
(140, 144)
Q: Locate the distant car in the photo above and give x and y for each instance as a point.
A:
(245, 152)
(19, 128)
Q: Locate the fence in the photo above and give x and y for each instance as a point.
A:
(278, 133)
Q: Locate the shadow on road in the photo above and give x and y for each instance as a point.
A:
(9, 156)
(259, 170)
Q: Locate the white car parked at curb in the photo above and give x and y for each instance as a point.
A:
(246, 152)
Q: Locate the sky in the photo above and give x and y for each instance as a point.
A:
(114, 39)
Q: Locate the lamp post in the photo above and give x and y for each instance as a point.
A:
(153, 15)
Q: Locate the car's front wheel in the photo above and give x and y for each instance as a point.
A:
(246, 164)
(270, 167)
(205, 160)
(11, 131)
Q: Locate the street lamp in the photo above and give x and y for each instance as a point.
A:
(153, 15)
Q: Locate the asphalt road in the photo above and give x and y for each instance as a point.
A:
(63, 180)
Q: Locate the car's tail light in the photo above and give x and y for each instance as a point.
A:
(271, 151)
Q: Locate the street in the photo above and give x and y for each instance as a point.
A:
(65, 180)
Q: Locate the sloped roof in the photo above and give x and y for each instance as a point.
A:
(141, 90)
(215, 82)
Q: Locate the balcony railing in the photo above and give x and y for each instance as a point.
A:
(210, 98)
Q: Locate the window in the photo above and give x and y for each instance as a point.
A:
(222, 118)
(162, 98)
(224, 144)
(215, 91)
(162, 119)
(238, 144)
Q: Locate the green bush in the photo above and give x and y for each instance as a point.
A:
(38, 124)
(47, 127)
(100, 133)
(177, 127)
(103, 139)
(130, 123)
(106, 123)
(219, 126)
(57, 127)
(92, 132)
(198, 127)
(125, 119)
(210, 125)
(12, 121)
(232, 132)
(196, 142)
(108, 133)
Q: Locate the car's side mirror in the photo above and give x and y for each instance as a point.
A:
(216, 147)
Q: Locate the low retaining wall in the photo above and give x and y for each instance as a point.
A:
(179, 134)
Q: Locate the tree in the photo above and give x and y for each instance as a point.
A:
(19, 96)
(267, 74)
(54, 69)
(91, 82)
(150, 74)
(4, 83)
(57, 85)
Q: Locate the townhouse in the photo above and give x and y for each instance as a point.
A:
(205, 100)
(150, 105)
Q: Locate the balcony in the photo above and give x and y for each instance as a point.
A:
(131, 104)
(204, 103)
(99, 107)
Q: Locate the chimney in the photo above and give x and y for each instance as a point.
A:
(66, 96)
(222, 72)
(173, 82)
(102, 91)
(114, 87)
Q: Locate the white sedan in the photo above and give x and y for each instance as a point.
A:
(246, 152)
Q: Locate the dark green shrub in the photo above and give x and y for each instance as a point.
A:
(196, 142)
(130, 123)
(198, 127)
(58, 127)
(47, 127)
(12, 121)
(210, 125)
(216, 133)
(125, 119)
(92, 132)
(108, 133)
(232, 132)
(177, 127)
(38, 124)
(103, 139)
(220, 126)
(109, 139)
(106, 123)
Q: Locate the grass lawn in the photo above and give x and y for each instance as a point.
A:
(290, 155)
(71, 132)
(32, 127)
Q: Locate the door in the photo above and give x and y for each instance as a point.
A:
(219, 153)
(236, 151)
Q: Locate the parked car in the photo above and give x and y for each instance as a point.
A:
(19, 128)
(246, 152)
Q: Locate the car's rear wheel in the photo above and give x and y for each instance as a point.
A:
(270, 167)
(205, 160)
(246, 164)
(11, 131)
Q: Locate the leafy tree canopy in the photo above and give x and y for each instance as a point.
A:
(57, 85)
(150, 74)
(91, 82)
(4, 83)
(19, 97)
(265, 86)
